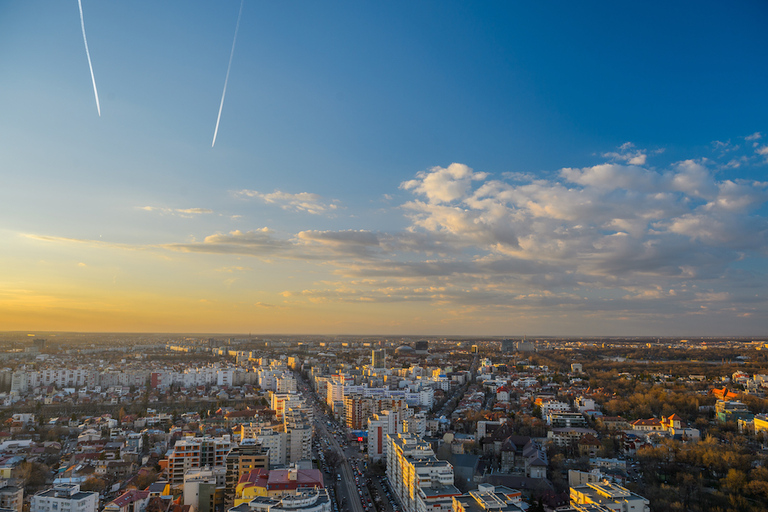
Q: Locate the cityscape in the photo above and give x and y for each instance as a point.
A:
(119, 422)
(338, 256)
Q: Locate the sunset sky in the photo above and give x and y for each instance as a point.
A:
(399, 167)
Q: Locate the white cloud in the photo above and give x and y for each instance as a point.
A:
(754, 136)
(442, 185)
(628, 153)
(692, 178)
(259, 242)
(299, 202)
(613, 176)
(180, 212)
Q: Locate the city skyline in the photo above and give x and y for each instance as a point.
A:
(437, 168)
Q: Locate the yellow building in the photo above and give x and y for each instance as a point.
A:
(278, 482)
(612, 496)
(761, 423)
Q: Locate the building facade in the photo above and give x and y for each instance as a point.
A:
(64, 498)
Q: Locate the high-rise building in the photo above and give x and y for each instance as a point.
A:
(379, 358)
(412, 468)
(357, 410)
(276, 443)
(298, 429)
(240, 460)
(386, 422)
(197, 452)
(204, 488)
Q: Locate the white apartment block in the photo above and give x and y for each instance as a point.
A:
(411, 466)
(280, 402)
(285, 383)
(64, 498)
(23, 381)
(551, 406)
(275, 441)
(379, 426)
(225, 377)
(335, 393)
(584, 404)
(415, 423)
(425, 397)
(298, 429)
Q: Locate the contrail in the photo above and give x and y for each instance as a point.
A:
(231, 54)
(88, 54)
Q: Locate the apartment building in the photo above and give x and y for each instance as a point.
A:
(204, 488)
(310, 501)
(11, 497)
(412, 465)
(298, 429)
(197, 452)
(241, 459)
(611, 496)
(64, 498)
(489, 498)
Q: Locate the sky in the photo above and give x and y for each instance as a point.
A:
(426, 168)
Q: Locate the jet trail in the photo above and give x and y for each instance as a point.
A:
(88, 54)
(229, 66)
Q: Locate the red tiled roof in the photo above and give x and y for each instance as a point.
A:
(281, 478)
(130, 497)
(651, 422)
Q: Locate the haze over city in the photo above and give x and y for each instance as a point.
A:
(428, 168)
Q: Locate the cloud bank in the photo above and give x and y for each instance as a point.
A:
(620, 239)
(617, 236)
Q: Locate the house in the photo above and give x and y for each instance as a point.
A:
(647, 425)
(732, 411)
(159, 489)
(588, 445)
(614, 423)
(131, 501)
(678, 429)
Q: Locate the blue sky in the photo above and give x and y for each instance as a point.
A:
(398, 167)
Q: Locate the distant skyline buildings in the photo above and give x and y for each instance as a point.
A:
(379, 358)
(375, 177)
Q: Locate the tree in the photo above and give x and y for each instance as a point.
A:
(734, 481)
(146, 478)
(33, 474)
(93, 484)
(537, 506)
